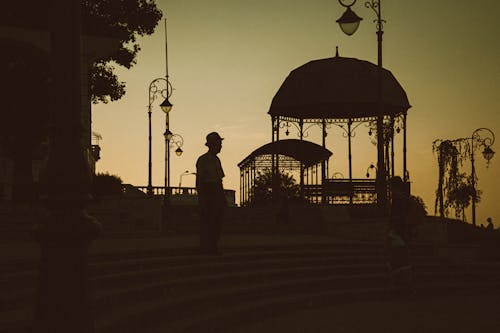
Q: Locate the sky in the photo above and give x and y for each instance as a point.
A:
(228, 58)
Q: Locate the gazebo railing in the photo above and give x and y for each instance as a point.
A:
(339, 191)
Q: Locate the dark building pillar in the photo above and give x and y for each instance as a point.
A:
(63, 299)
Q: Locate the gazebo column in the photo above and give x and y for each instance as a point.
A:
(323, 164)
(392, 148)
(277, 175)
(248, 184)
(273, 166)
(326, 177)
(301, 130)
(405, 171)
(317, 182)
(387, 165)
(252, 181)
(242, 188)
(349, 124)
(318, 200)
(245, 186)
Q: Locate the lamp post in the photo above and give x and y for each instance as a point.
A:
(349, 23)
(478, 141)
(154, 92)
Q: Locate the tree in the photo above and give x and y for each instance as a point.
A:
(124, 19)
(460, 197)
(455, 188)
(263, 187)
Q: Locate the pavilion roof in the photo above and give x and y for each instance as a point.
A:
(306, 152)
(337, 88)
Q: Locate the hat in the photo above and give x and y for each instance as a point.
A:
(213, 137)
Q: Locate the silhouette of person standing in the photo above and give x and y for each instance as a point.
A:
(490, 224)
(211, 196)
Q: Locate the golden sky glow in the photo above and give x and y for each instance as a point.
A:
(227, 59)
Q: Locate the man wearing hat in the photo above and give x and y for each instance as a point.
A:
(211, 196)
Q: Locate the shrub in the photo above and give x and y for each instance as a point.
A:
(106, 184)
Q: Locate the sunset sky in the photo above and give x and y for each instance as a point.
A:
(228, 58)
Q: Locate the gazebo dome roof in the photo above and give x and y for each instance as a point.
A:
(337, 88)
(306, 152)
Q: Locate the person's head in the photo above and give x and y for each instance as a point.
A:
(397, 184)
(489, 220)
(214, 142)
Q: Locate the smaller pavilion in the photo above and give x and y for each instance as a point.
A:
(291, 155)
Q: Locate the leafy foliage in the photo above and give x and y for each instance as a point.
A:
(263, 186)
(122, 19)
(462, 195)
(454, 187)
(104, 83)
(106, 184)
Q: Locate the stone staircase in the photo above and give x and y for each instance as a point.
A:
(182, 291)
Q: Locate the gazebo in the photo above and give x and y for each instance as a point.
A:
(291, 155)
(339, 92)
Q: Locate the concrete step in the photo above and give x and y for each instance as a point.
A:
(225, 320)
(247, 272)
(178, 278)
(186, 306)
(277, 257)
(167, 312)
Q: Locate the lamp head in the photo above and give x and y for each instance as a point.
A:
(168, 135)
(179, 152)
(166, 106)
(349, 21)
(488, 153)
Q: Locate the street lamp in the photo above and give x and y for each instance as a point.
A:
(349, 23)
(155, 91)
(478, 141)
(166, 106)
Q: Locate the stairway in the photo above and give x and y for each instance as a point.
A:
(182, 291)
